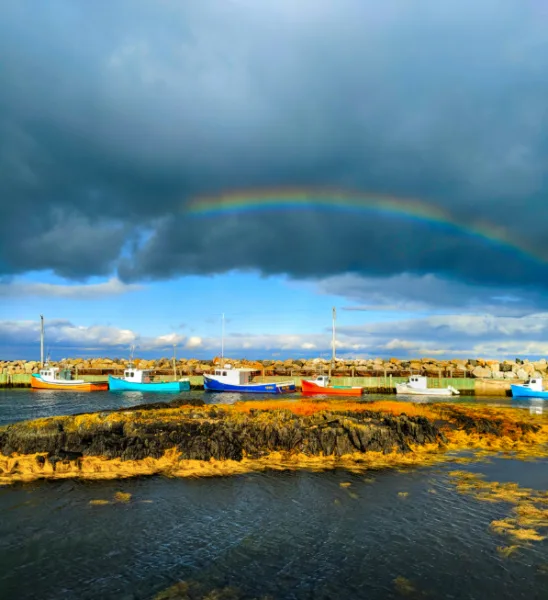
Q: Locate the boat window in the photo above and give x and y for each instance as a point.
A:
(224, 373)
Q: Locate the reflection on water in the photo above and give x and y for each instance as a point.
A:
(536, 406)
(283, 535)
(20, 404)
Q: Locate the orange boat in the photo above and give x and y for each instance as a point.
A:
(51, 378)
(320, 385)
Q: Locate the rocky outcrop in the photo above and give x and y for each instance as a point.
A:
(491, 424)
(204, 433)
(213, 440)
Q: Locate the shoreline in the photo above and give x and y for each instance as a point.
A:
(199, 441)
(472, 377)
(371, 385)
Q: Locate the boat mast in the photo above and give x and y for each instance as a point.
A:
(333, 340)
(174, 365)
(223, 341)
(42, 340)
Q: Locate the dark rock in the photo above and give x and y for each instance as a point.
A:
(211, 432)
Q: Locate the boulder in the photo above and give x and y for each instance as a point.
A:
(522, 374)
(482, 372)
(541, 365)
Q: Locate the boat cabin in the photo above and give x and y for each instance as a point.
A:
(419, 382)
(322, 380)
(233, 376)
(534, 384)
(137, 375)
(55, 374)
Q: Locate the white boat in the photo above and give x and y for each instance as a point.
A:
(418, 385)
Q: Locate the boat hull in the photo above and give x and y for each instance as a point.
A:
(37, 383)
(404, 389)
(117, 384)
(519, 391)
(283, 387)
(309, 387)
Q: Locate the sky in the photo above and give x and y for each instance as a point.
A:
(163, 163)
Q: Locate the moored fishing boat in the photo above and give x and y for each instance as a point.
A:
(418, 385)
(532, 388)
(227, 379)
(320, 385)
(139, 380)
(53, 378)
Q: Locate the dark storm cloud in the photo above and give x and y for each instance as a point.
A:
(428, 293)
(113, 116)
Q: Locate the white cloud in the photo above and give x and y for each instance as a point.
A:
(62, 335)
(194, 342)
(112, 287)
(438, 335)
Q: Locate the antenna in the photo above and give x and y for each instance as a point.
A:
(222, 340)
(42, 340)
(333, 340)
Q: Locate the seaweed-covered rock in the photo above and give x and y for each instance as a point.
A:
(203, 433)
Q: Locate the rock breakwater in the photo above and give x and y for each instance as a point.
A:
(476, 368)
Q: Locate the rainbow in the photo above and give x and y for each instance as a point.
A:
(282, 200)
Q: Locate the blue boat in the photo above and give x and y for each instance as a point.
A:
(238, 380)
(532, 388)
(139, 380)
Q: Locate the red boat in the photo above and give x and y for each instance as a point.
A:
(320, 385)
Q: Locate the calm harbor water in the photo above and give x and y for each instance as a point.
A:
(282, 535)
(17, 404)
